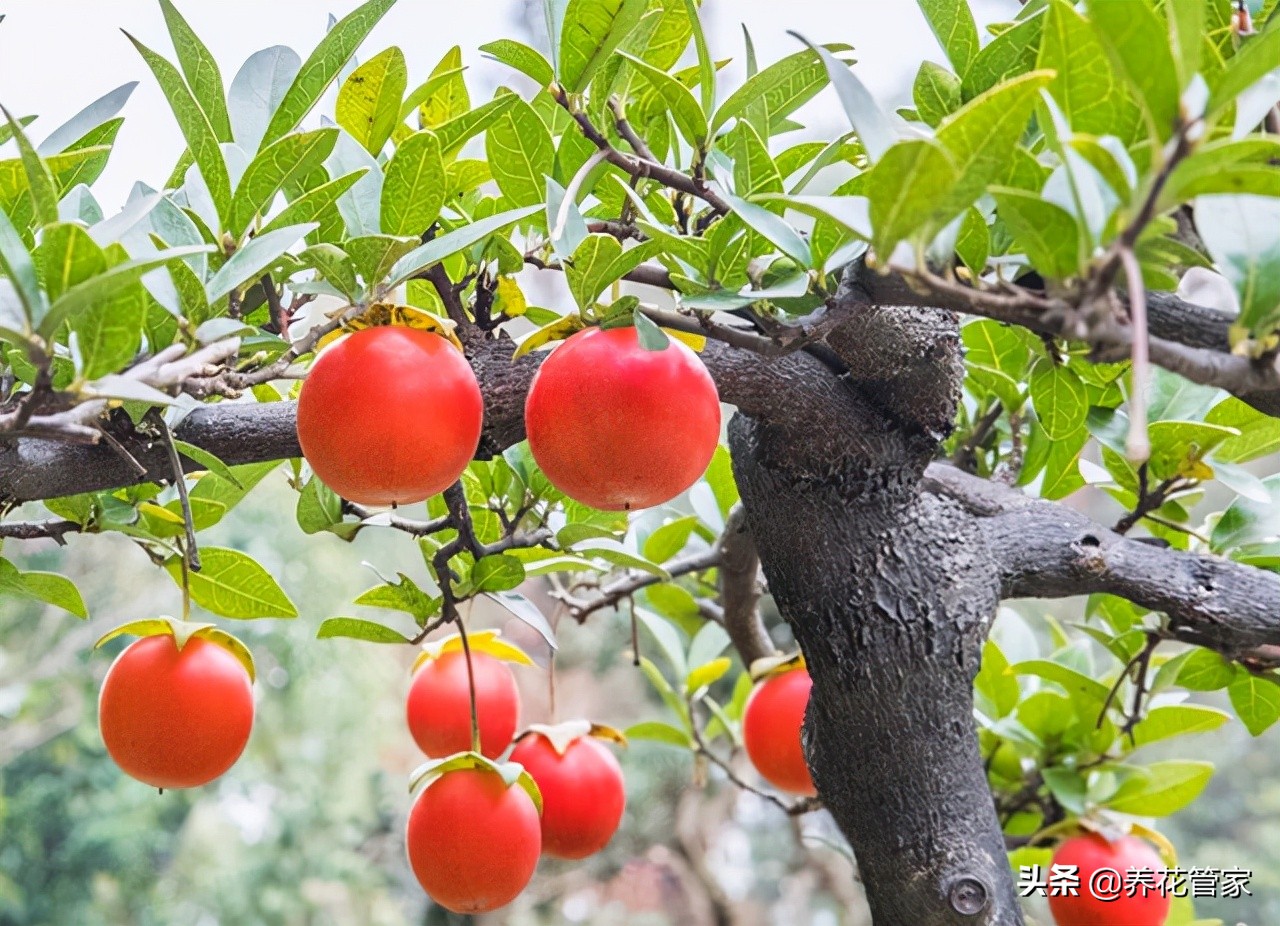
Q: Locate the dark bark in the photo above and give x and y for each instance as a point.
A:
(1045, 550)
(890, 596)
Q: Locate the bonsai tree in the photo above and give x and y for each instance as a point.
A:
(932, 330)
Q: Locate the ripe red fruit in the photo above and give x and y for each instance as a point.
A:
(390, 415)
(1090, 853)
(583, 794)
(771, 730)
(175, 718)
(617, 427)
(473, 841)
(439, 706)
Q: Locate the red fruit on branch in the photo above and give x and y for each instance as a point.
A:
(1107, 903)
(439, 704)
(618, 427)
(175, 718)
(473, 840)
(390, 415)
(771, 730)
(583, 793)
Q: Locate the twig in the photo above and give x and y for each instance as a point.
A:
(615, 592)
(52, 529)
(802, 806)
(639, 166)
(190, 551)
(1138, 443)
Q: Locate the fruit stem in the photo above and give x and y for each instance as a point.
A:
(471, 684)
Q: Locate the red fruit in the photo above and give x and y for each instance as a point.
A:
(583, 794)
(615, 426)
(390, 415)
(439, 707)
(175, 718)
(771, 730)
(473, 840)
(1090, 853)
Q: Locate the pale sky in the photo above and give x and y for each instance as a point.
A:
(56, 56)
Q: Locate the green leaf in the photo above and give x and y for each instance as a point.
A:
(753, 169)
(1176, 446)
(996, 683)
(952, 22)
(524, 59)
(1256, 699)
(497, 573)
(39, 181)
(1162, 788)
(256, 256)
(214, 495)
(446, 94)
(650, 336)
(1139, 45)
(598, 262)
(276, 166)
(774, 228)
(374, 255)
(46, 587)
(669, 539)
(1242, 234)
(521, 153)
(1084, 690)
(98, 289)
(706, 64)
(368, 104)
(593, 30)
(233, 584)
(323, 66)
(1059, 398)
(457, 240)
(905, 187)
(874, 129)
(780, 89)
(201, 70)
(936, 93)
(413, 188)
(667, 637)
(68, 256)
(1247, 521)
(356, 629)
(706, 675)
(679, 99)
(982, 136)
(454, 133)
(659, 732)
(312, 205)
(1171, 720)
(1256, 59)
(1259, 433)
(200, 136)
(403, 595)
(1187, 29)
(1086, 86)
(1048, 234)
(15, 261)
(1012, 53)
(320, 509)
(208, 461)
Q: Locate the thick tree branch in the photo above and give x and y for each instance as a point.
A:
(1047, 550)
(740, 590)
(1185, 338)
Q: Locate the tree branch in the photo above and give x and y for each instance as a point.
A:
(740, 590)
(1047, 550)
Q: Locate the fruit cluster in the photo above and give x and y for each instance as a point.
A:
(391, 415)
